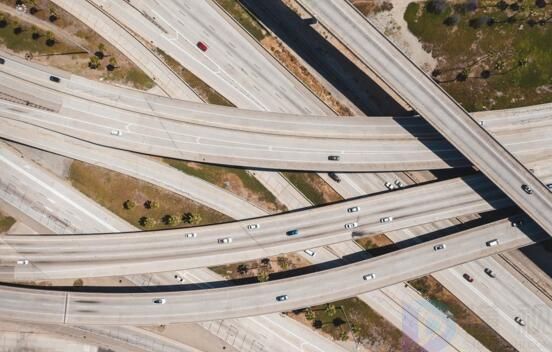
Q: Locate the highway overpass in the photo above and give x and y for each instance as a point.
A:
(436, 106)
(64, 307)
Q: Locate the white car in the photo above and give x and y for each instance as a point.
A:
(310, 252)
(353, 210)
(351, 225)
(369, 277)
(399, 183)
(178, 278)
(191, 235)
(519, 321)
(386, 219)
(22, 262)
(116, 132)
(389, 185)
(439, 247)
(253, 226)
(225, 240)
(159, 301)
(492, 243)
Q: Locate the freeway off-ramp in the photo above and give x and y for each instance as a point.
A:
(333, 284)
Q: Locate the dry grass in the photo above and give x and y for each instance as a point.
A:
(444, 300)
(288, 60)
(313, 187)
(111, 190)
(6, 222)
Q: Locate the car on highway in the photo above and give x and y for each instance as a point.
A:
(282, 298)
(517, 223)
(333, 158)
(253, 226)
(490, 272)
(519, 321)
(225, 240)
(54, 79)
(116, 132)
(292, 232)
(23, 262)
(191, 235)
(178, 278)
(159, 300)
(351, 225)
(334, 177)
(386, 219)
(398, 183)
(370, 276)
(353, 210)
(549, 186)
(202, 46)
(492, 243)
(310, 252)
(467, 277)
(439, 247)
(527, 189)
(389, 185)
(2, 61)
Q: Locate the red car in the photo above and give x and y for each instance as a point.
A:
(202, 46)
(468, 277)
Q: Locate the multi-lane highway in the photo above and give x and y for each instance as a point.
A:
(100, 255)
(193, 132)
(333, 284)
(436, 106)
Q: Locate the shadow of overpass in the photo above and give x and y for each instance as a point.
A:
(329, 62)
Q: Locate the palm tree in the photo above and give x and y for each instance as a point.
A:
(17, 27)
(94, 62)
(330, 310)
(263, 275)
(53, 13)
(32, 5)
(50, 39)
(112, 63)
(171, 220)
(35, 34)
(147, 222)
(129, 204)
(100, 53)
(192, 218)
(309, 314)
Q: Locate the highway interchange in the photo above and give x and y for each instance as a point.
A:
(535, 157)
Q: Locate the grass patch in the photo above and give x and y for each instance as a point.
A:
(445, 301)
(23, 41)
(313, 187)
(135, 76)
(243, 17)
(201, 88)
(354, 319)
(489, 58)
(235, 180)
(6, 222)
(112, 189)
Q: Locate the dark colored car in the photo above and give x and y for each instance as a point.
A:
(2, 61)
(202, 46)
(54, 79)
(468, 277)
(333, 157)
(527, 189)
(490, 272)
(292, 233)
(334, 176)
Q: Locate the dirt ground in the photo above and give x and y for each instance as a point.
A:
(291, 63)
(70, 31)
